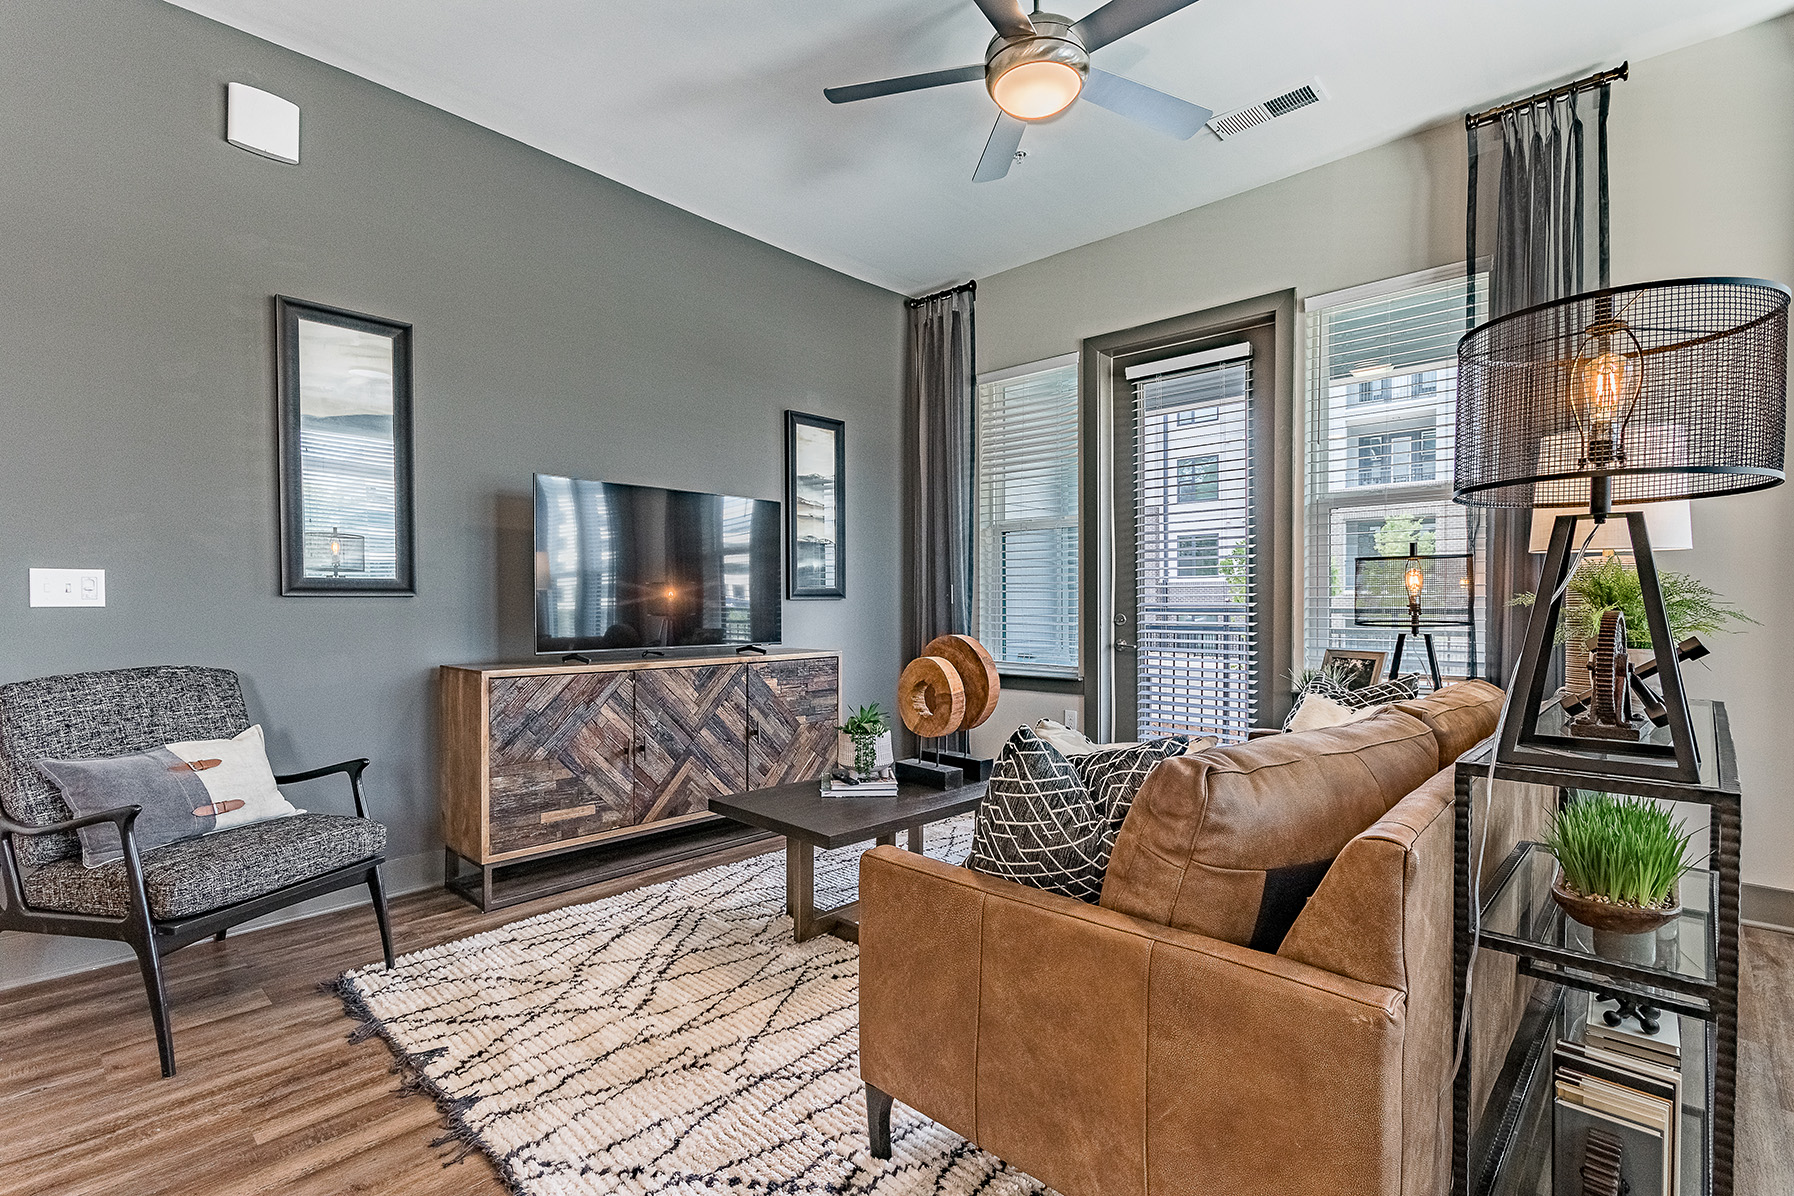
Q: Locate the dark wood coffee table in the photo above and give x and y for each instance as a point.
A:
(810, 821)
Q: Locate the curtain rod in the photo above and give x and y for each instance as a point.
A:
(964, 286)
(1617, 74)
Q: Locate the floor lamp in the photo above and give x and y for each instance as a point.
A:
(1631, 395)
(1416, 594)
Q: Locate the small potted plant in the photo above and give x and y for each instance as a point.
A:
(1620, 861)
(863, 745)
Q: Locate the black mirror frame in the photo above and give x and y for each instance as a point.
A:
(287, 314)
(794, 420)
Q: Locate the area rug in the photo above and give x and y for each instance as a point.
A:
(669, 1039)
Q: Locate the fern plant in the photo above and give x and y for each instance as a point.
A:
(1622, 849)
(1611, 581)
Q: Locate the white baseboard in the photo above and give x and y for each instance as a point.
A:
(29, 958)
(1770, 908)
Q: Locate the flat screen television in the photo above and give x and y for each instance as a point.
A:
(621, 568)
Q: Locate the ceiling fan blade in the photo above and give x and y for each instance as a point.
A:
(1009, 17)
(891, 87)
(1118, 18)
(1146, 105)
(999, 151)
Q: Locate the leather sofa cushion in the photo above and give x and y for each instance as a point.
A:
(1230, 843)
(1460, 716)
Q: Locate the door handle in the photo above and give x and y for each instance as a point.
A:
(1124, 645)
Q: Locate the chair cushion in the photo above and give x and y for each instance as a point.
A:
(1050, 822)
(196, 876)
(82, 716)
(1460, 716)
(1230, 843)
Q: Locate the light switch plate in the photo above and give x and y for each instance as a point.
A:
(68, 587)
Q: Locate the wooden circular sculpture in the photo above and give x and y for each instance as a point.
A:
(931, 697)
(976, 670)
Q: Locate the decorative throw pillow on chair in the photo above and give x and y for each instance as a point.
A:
(186, 790)
(1050, 822)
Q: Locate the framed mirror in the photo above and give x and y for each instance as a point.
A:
(344, 416)
(815, 525)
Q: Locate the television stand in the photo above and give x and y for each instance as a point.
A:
(555, 776)
(575, 658)
(750, 650)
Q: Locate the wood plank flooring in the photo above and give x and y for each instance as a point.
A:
(271, 1097)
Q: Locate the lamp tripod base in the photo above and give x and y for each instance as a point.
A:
(1632, 754)
(1432, 659)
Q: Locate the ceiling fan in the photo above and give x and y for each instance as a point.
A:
(1039, 63)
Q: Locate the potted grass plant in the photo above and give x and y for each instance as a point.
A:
(863, 742)
(1620, 861)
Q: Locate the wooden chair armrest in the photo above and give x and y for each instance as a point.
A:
(349, 768)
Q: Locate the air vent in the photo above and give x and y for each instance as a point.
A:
(1232, 124)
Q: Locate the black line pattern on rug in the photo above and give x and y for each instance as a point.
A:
(673, 1039)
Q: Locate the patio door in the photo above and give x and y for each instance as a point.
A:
(1191, 587)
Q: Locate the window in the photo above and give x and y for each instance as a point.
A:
(1025, 568)
(1199, 556)
(1205, 414)
(1388, 458)
(1199, 478)
(1379, 451)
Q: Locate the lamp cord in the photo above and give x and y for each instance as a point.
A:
(1475, 865)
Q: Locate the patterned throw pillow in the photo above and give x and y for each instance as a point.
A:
(1049, 822)
(186, 789)
(1398, 689)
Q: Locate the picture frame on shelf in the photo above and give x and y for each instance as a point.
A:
(343, 423)
(1359, 670)
(815, 510)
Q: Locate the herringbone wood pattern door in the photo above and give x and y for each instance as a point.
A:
(691, 735)
(560, 757)
(794, 707)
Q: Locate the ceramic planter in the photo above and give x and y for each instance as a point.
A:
(845, 748)
(1611, 917)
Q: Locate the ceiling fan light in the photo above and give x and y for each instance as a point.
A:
(1037, 90)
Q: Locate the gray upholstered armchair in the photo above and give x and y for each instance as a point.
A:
(160, 900)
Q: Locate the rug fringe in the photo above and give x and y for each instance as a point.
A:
(412, 1078)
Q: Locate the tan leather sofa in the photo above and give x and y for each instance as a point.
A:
(1139, 1047)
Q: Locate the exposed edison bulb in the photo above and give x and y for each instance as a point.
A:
(1605, 386)
(1036, 90)
(1414, 579)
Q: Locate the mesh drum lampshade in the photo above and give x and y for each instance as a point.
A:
(1627, 396)
(1380, 592)
(1634, 394)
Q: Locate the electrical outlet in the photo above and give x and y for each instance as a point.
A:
(1071, 718)
(68, 587)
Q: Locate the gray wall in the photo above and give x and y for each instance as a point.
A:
(1702, 183)
(563, 323)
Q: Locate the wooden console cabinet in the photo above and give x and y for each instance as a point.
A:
(617, 762)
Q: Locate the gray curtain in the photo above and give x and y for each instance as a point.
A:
(1550, 240)
(939, 390)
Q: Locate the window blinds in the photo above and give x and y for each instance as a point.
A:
(1381, 419)
(1195, 555)
(1026, 558)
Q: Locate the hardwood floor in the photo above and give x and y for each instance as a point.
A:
(272, 1098)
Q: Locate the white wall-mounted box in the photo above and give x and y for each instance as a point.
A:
(261, 122)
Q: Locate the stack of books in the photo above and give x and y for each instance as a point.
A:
(841, 786)
(1618, 1106)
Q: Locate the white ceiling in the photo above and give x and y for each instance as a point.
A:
(716, 105)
